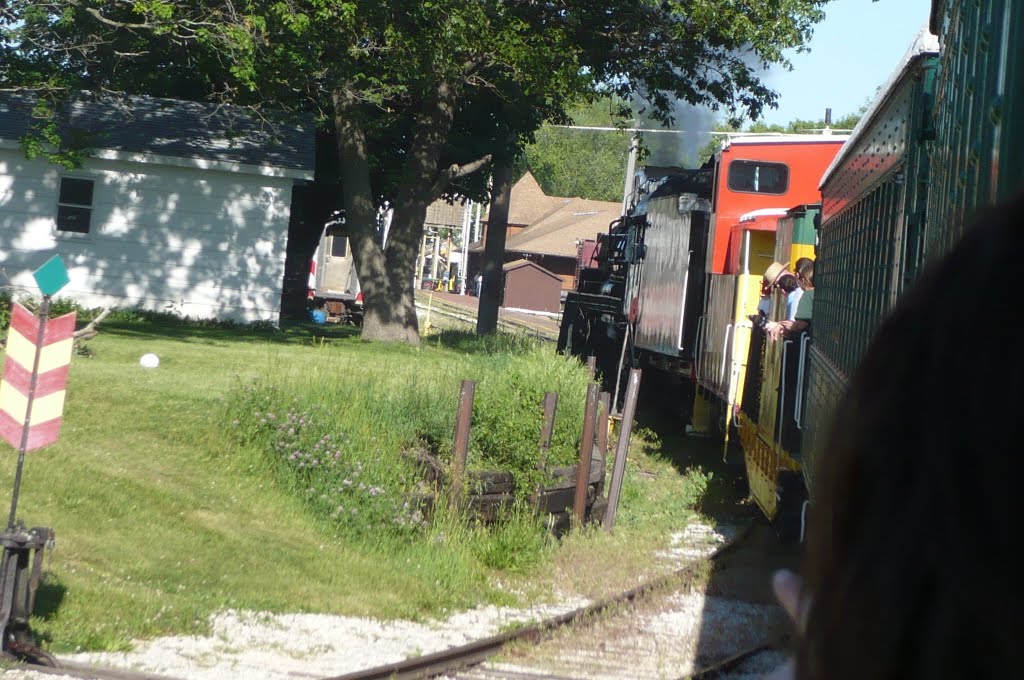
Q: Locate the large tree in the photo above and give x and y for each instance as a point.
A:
(421, 95)
(586, 160)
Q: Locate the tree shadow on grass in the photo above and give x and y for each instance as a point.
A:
(468, 342)
(290, 333)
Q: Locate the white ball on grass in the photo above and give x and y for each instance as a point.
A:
(149, 361)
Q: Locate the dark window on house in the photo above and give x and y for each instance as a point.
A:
(758, 177)
(339, 246)
(74, 205)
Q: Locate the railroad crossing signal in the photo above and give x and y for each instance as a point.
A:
(35, 372)
(35, 377)
(31, 404)
(36, 368)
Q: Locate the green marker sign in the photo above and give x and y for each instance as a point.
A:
(52, 276)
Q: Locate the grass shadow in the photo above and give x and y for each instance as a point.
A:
(294, 332)
(663, 410)
(49, 598)
(468, 342)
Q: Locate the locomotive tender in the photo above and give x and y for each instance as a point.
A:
(675, 283)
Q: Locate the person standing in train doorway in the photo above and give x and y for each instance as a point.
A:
(771, 276)
(789, 285)
(801, 320)
(796, 296)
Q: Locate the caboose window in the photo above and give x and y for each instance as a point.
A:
(758, 177)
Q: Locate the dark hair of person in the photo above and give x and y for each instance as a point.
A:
(802, 262)
(806, 271)
(788, 283)
(912, 569)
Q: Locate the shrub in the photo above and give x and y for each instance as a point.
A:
(508, 415)
(515, 544)
(365, 418)
(331, 468)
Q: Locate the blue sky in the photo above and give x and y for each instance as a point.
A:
(853, 51)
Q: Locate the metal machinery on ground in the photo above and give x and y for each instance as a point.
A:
(333, 285)
(21, 572)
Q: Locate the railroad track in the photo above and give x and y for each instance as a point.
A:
(506, 322)
(470, 661)
(590, 640)
(87, 672)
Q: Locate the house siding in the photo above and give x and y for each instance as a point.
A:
(200, 242)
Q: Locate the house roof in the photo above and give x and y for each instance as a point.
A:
(173, 128)
(553, 223)
(519, 264)
(556, 234)
(529, 204)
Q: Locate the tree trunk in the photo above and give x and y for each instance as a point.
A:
(386, 272)
(384, 278)
(494, 249)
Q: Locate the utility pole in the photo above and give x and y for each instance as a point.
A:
(634, 150)
(494, 248)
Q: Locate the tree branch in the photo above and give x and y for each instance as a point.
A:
(90, 331)
(454, 171)
(110, 22)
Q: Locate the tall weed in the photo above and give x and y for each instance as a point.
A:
(336, 433)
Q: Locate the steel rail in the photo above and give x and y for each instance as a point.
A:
(478, 651)
(87, 672)
(730, 661)
(456, 658)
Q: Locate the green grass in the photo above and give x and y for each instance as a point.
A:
(164, 514)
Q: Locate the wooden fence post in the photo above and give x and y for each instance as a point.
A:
(622, 448)
(461, 448)
(586, 452)
(547, 427)
(603, 405)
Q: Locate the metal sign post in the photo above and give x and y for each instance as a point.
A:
(26, 429)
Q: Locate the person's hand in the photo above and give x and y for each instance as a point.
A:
(787, 587)
(787, 325)
(773, 329)
(786, 671)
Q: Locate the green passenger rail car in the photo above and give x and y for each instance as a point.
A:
(979, 149)
(870, 239)
(937, 145)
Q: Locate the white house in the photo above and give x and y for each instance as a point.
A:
(180, 206)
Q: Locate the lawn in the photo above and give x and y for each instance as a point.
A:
(170, 501)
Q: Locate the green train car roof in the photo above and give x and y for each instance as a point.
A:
(925, 45)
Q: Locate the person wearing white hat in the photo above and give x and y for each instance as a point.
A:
(771, 276)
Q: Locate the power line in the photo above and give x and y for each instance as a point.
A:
(703, 132)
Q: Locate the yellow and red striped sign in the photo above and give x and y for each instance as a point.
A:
(16, 393)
